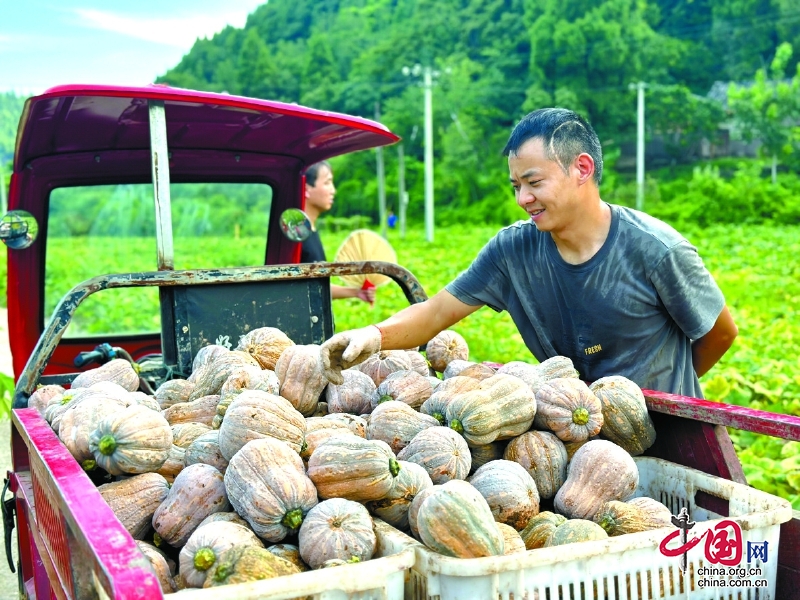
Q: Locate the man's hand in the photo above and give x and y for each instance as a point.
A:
(347, 349)
(367, 294)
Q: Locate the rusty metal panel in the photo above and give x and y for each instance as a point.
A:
(221, 314)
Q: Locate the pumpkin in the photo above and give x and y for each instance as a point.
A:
(619, 518)
(117, 370)
(449, 389)
(206, 545)
(382, 364)
(216, 372)
(455, 520)
(201, 410)
(265, 344)
(445, 347)
(393, 508)
(530, 374)
(134, 500)
(568, 408)
(299, 369)
(205, 449)
(442, 452)
(78, 423)
(254, 415)
(454, 368)
(160, 567)
(240, 564)
(419, 363)
(557, 367)
(413, 508)
(353, 468)
(542, 455)
(336, 528)
(576, 530)
(204, 357)
(174, 463)
(486, 453)
(173, 391)
(405, 386)
(626, 421)
(540, 529)
(41, 397)
(600, 471)
(654, 508)
(354, 396)
(228, 517)
(396, 423)
(198, 491)
(267, 485)
(320, 435)
(289, 552)
(500, 408)
(509, 490)
(512, 542)
(248, 377)
(184, 434)
(477, 371)
(356, 424)
(132, 440)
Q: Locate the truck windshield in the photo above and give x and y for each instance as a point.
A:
(97, 230)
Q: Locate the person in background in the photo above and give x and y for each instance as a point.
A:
(615, 290)
(320, 192)
(391, 220)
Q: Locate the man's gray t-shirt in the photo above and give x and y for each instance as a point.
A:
(632, 309)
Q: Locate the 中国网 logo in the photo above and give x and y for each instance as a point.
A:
(723, 547)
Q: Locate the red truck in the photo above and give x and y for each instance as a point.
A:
(93, 162)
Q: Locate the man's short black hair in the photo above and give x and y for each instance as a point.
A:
(564, 134)
(313, 171)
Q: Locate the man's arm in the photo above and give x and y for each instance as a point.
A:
(411, 327)
(707, 350)
(340, 291)
(418, 323)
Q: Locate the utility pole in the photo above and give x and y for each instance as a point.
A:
(639, 143)
(428, 76)
(381, 178)
(402, 197)
(427, 84)
(3, 201)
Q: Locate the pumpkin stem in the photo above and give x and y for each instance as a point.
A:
(107, 445)
(89, 465)
(385, 398)
(456, 426)
(439, 417)
(204, 558)
(222, 572)
(394, 467)
(157, 541)
(606, 522)
(354, 559)
(292, 519)
(580, 416)
(304, 447)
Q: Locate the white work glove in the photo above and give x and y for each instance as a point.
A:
(347, 349)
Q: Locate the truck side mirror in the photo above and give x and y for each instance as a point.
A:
(295, 224)
(18, 229)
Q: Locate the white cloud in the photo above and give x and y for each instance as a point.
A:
(180, 32)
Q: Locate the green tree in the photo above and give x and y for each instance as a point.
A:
(769, 109)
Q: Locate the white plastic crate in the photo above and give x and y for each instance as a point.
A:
(628, 567)
(381, 578)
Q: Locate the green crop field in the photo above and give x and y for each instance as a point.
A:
(756, 267)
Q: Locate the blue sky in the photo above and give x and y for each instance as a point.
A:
(48, 43)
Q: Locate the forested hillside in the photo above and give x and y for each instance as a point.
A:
(496, 59)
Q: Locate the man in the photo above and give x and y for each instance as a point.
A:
(319, 199)
(617, 291)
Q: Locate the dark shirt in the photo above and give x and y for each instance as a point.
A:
(632, 309)
(312, 250)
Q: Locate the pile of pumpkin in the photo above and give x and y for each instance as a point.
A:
(255, 449)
